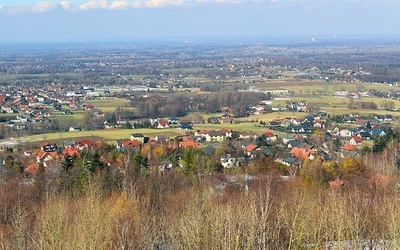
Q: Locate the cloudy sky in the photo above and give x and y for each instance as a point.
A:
(83, 20)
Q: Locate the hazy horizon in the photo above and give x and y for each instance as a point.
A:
(123, 20)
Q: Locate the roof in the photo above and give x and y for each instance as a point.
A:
(32, 168)
(349, 147)
(250, 147)
(163, 123)
(301, 153)
(191, 144)
(357, 139)
(137, 135)
(70, 151)
(132, 143)
(269, 134)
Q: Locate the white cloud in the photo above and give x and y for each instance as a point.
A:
(100, 4)
(163, 3)
(120, 5)
(16, 8)
(45, 6)
(67, 5)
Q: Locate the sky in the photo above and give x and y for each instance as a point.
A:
(119, 20)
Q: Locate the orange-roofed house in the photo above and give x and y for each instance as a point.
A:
(356, 140)
(71, 152)
(32, 168)
(188, 144)
(162, 124)
(301, 153)
(43, 156)
(227, 131)
(268, 134)
(349, 147)
(250, 149)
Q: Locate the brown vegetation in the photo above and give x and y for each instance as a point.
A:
(177, 212)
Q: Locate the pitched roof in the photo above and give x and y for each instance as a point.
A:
(70, 151)
(132, 143)
(250, 147)
(269, 134)
(349, 147)
(357, 139)
(32, 168)
(186, 144)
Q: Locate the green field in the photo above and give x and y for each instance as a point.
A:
(109, 104)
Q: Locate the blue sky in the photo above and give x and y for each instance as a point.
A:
(71, 20)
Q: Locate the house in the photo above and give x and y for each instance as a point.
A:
(32, 168)
(269, 136)
(227, 131)
(28, 152)
(127, 144)
(319, 124)
(161, 138)
(388, 118)
(137, 136)
(153, 122)
(274, 123)
(380, 118)
(227, 161)
(289, 161)
(227, 119)
(74, 129)
(71, 152)
(298, 129)
(215, 136)
(345, 133)
(295, 143)
(185, 126)
(250, 150)
(302, 153)
(356, 140)
(173, 121)
(365, 135)
(89, 107)
(188, 144)
(162, 124)
(349, 147)
(378, 132)
(43, 156)
(47, 146)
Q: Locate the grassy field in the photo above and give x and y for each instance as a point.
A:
(109, 104)
(302, 87)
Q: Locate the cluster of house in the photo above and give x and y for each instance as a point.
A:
(264, 107)
(50, 155)
(36, 105)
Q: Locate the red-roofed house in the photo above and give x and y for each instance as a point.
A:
(301, 153)
(190, 144)
(89, 107)
(32, 168)
(162, 124)
(356, 140)
(349, 147)
(71, 152)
